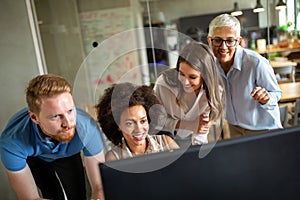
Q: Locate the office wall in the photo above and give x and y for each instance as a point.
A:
(60, 36)
(17, 65)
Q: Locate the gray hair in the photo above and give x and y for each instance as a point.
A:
(225, 20)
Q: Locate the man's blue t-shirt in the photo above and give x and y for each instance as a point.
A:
(21, 138)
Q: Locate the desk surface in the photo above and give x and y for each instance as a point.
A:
(276, 64)
(290, 91)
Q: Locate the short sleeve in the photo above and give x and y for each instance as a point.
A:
(89, 133)
(12, 160)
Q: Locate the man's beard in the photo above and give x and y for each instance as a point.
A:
(61, 136)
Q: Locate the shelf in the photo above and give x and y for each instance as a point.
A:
(277, 49)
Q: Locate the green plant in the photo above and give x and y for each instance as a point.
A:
(285, 28)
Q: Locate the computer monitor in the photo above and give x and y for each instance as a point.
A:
(263, 166)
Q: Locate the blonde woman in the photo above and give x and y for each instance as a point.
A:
(191, 93)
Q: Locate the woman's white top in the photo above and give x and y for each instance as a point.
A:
(167, 96)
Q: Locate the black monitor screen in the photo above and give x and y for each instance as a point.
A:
(264, 166)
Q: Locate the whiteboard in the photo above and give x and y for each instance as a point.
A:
(110, 62)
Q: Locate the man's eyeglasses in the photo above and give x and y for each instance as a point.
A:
(217, 42)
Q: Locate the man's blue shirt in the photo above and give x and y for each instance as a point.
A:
(21, 138)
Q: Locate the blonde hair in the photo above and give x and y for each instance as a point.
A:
(199, 56)
(44, 86)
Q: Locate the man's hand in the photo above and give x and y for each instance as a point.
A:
(261, 95)
(93, 174)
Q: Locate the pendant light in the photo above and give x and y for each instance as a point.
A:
(280, 5)
(236, 11)
(258, 7)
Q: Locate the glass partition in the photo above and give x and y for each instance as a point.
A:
(137, 39)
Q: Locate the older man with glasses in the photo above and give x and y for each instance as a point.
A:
(251, 87)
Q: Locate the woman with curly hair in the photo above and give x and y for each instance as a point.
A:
(127, 114)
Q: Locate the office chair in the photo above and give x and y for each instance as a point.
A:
(286, 74)
(284, 115)
(294, 112)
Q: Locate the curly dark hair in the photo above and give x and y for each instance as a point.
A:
(120, 97)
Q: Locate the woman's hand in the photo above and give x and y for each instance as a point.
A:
(204, 125)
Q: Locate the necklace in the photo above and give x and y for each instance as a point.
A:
(135, 153)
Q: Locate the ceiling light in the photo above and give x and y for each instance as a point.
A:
(258, 7)
(236, 11)
(280, 5)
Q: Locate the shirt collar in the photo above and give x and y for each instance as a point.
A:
(237, 63)
(43, 137)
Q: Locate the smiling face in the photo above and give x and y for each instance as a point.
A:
(134, 126)
(224, 54)
(57, 117)
(190, 78)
